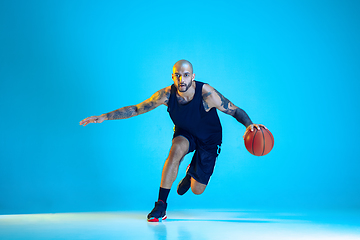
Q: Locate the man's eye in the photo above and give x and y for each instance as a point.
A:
(186, 75)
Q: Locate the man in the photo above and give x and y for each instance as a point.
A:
(192, 107)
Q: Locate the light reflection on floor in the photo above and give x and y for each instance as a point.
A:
(185, 224)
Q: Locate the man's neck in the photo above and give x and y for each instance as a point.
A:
(189, 94)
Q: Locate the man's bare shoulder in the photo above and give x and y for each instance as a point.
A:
(207, 96)
(158, 98)
(163, 95)
(207, 90)
(167, 89)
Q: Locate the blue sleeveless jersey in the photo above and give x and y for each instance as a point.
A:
(192, 117)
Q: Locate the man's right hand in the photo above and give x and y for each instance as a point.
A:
(93, 119)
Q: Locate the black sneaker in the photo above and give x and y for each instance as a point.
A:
(158, 213)
(184, 185)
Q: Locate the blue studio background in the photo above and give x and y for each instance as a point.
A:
(293, 66)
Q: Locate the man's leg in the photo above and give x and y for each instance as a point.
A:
(179, 148)
(201, 168)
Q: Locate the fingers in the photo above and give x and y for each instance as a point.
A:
(84, 122)
(88, 120)
(251, 128)
(258, 126)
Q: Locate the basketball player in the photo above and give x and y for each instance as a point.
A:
(192, 107)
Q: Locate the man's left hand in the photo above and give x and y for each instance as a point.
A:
(251, 128)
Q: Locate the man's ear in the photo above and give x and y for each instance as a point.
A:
(193, 77)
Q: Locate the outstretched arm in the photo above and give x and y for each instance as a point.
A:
(157, 99)
(212, 98)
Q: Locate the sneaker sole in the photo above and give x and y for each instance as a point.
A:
(157, 219)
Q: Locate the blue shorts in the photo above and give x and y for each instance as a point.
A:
(203, 161)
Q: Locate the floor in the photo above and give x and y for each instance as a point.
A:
(184, 224)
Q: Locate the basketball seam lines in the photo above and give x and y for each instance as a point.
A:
(263, 142)
(252, 145)
(271, 137)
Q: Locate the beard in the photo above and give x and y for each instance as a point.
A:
(186, 87)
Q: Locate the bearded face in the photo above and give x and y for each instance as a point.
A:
(182, 76)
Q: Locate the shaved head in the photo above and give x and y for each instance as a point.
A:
(183, 75)
(182, 63)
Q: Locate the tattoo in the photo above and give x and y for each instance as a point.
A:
(225, 103)
(181, 100)
(230, 112)
(163, 93)
(205, 95)
(205, 104)
(167, 96)
(149, 104)
(161, 96)
(122, 113)
(241, 116)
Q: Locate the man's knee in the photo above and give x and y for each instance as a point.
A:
(179, 149)
(196, 187)
(180, 143)
(197, 191)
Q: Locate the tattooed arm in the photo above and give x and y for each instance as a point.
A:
(212, 98)
(157, 99)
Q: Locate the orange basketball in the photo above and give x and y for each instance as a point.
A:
(259, 142)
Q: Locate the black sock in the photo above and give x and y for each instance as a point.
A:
(163, 194)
